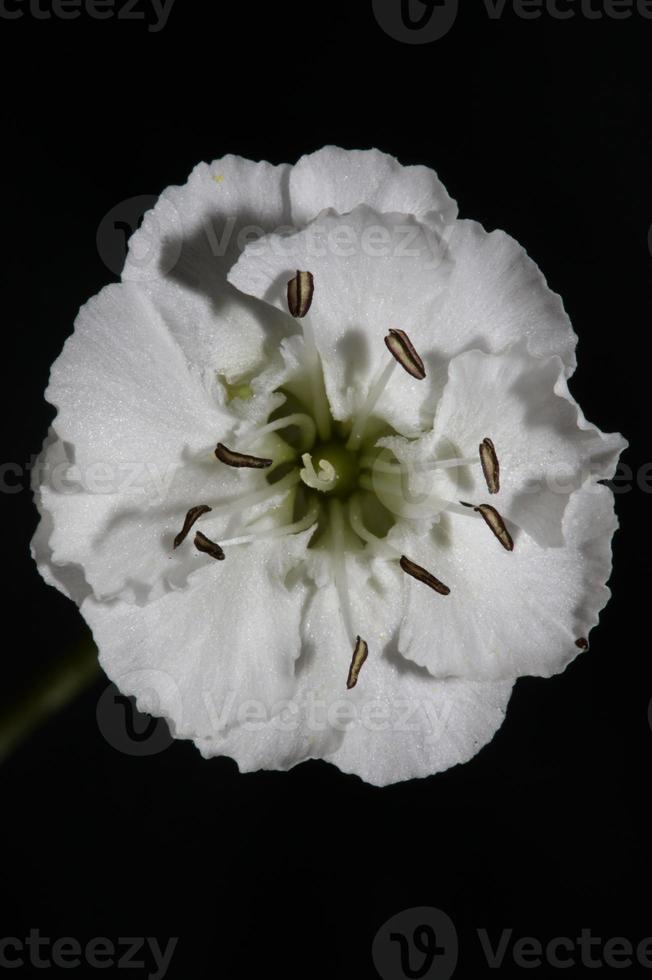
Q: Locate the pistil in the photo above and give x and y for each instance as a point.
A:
(323, 480)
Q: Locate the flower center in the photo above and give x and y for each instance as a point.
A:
(338, 472)
(336, 479)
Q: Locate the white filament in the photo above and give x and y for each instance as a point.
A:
(376, 389)
(338, 557)
(300, 419)
(319, 397)
(235, 504)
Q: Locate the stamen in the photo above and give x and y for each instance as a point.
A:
(400, 346)
(376, 389)
(359, 657)
(300, 293)
(422, 575)
(490, 465)
(582, 643)
(325, 480)
(208, 547)
(231, 458)
(497, 525)
(193, 514)
(299, 419)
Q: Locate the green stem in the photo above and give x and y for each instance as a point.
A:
(55, 689)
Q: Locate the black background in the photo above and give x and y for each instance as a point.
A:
(539, 127)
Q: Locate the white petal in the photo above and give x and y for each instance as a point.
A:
(508, 613)
(498, 295)
(201, 225)
(343, 179)
(124, 388)
(67, 578)
(400, 722)
(397, 723)
(186, 245)
(414, 726)
(122, 542)
(373, 272)
(230, 639)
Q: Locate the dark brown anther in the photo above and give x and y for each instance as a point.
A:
(359, 657)
(208, 547)
(497, 525)
(226, 455)
(300, 293)
(490, 465)
(193, 514)
(582, 643)
(422, 575)
(400, 346)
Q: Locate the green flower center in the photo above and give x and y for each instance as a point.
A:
(345, 464)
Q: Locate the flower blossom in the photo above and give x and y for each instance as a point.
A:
(316, 479)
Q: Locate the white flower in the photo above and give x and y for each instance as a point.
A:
(336, 596)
